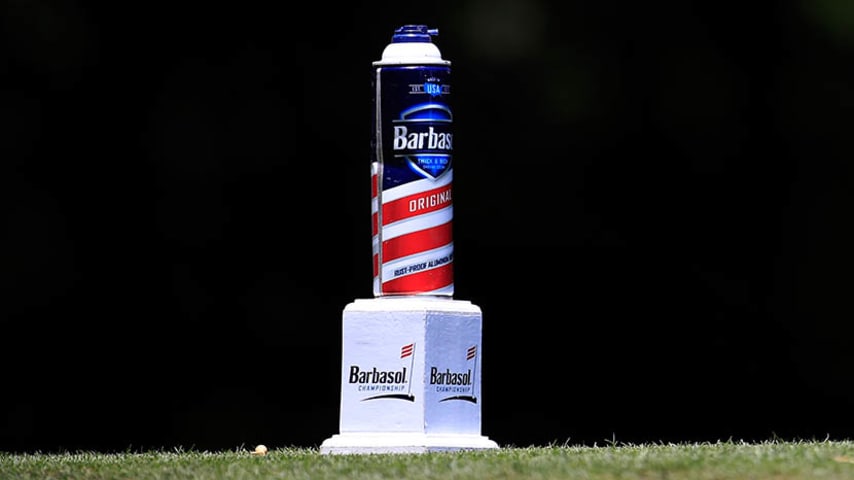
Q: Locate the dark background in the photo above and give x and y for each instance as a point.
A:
(652, 209)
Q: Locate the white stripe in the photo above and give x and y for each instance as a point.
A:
(388, 269)
(417, 223)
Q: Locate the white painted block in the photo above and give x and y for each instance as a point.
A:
(410, 378)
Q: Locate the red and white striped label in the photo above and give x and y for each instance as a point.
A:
(412, 236)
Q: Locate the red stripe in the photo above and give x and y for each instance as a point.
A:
(421, 282)
(374, 224)
(416, 204)
(416, 242)
(376, 264)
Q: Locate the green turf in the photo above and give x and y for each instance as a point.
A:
(772, 460)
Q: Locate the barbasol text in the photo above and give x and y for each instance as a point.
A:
(404, 139)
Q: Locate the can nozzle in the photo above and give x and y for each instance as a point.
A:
(413, 33)
(412, 44)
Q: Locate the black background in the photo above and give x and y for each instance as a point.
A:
(652, 209)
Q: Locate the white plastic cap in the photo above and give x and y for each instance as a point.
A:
(411, 44)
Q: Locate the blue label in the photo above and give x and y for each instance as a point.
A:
(415, 123)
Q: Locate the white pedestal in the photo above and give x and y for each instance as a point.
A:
(410, 380)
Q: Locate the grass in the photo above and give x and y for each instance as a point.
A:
(772, 460)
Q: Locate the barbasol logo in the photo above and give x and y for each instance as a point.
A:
(456, 384)
(395, 384)
(438, 377)
(374, 376)
(429, 140)
(422, 135)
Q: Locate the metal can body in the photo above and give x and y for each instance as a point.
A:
(412, 170)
